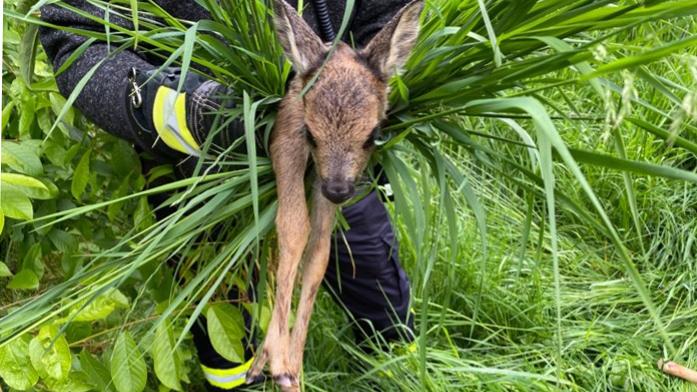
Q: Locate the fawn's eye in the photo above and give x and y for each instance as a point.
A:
(370, 143)
(310, 138)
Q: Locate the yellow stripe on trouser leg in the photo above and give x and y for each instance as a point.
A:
(169, 118)
(227, 378)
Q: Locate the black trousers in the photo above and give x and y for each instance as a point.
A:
(364, 276)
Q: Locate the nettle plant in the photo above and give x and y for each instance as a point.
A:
(88, 300)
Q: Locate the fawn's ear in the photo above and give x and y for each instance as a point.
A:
(301, 45)
(390, 48)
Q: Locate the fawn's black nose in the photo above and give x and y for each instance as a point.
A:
(338, 191)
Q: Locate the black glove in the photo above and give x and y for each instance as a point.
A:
(170, 123)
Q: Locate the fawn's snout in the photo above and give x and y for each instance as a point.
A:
(337, 190)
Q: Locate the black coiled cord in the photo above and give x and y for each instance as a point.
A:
(323, 20)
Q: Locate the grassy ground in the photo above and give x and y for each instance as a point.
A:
(608, 342)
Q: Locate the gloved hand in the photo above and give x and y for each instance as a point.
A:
(171, 123)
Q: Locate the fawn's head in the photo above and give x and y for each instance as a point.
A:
(348, 100)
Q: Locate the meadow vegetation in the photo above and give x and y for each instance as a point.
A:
(543, 158)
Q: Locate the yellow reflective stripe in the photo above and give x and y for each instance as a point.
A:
(169, 118)
(162, 109)
(180, 110)
(227, 378)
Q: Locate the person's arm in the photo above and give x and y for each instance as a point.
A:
(105, 99)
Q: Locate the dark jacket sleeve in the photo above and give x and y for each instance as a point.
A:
(368, 16)
(103, 98)
(371, 16)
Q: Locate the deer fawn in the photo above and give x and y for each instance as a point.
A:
(334, 122)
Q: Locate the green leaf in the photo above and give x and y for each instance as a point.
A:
(165, 358)
(63, 241)
(81, 175)
(143, 217)
(50, 353)
(15, 366)
(97, 374)
(27, 52)
(32, 260)
(22, 157)
(4, 270)
(25, 279)
(117, 208)
(27, 114)
(99, 308)
(128, 370)
(226, 330)
(75, 382)
(30, 186)
(60, 105)
(15, 204)
(22, 181)
(7, 112)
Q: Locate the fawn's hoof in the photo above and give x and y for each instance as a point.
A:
(255, 375)
(254, 379)
(286, 380)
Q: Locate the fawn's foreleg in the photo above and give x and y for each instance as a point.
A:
(317, 257)
(289, 154)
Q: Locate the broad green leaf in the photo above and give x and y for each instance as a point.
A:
(54, 152)
(63, 241)
(22, 156)
(97, 374)
(165, 358)
(22, 181)
(2, 220)
(99, 308)
(4, 270)
(226, 331)
(16, 204)
(15, 365)
(25, 279)
(128, 371)
(50, 354)
(81, 175)
(75, 382)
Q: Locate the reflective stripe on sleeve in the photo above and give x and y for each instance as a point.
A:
(169, 118)
(227, 378)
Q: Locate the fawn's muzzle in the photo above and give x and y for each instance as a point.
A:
(338, 191)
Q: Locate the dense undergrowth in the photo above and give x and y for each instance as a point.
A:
(523, 278)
